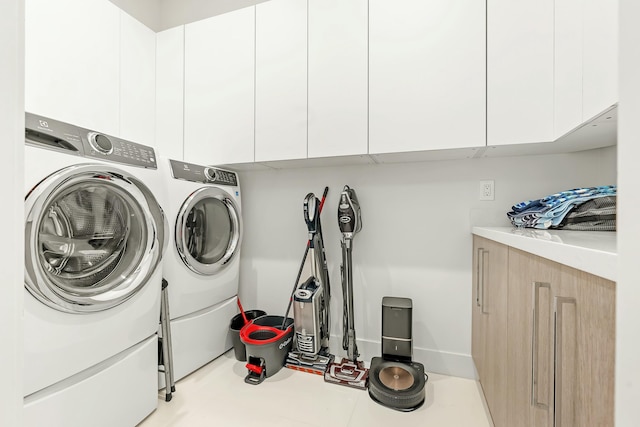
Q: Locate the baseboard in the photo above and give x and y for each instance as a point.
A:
(434, 361)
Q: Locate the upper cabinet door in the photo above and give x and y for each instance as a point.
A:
(338, 86)
(219, 89)
(600, 47)
(586, 61)
(426, 75)
(567, 65)
(72, 63)
(137, 81)
(520, 72)
(281, 80)
(170, 93)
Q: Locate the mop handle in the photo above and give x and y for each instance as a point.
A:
(304, 258)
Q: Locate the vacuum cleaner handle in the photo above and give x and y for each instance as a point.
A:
(349, 218)
(311, 208)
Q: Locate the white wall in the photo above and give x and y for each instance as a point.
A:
(12, 216)
(628, 290)
(415, 241)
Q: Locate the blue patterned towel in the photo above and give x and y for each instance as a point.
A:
(551, 210)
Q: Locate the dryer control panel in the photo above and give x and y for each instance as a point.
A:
(203, 174)
(56, 135)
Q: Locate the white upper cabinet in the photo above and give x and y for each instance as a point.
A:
(426, 75)
(219, 67)
(281, 80)
(586, 61)
(137, 81)
(600, 47)
(170, 93)
(72, 62)
(520, 71)
(338, 86)
(568, 66)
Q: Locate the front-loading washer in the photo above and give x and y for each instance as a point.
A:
(95, 235)
(202, 265)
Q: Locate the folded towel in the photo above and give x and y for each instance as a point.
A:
(551, 210)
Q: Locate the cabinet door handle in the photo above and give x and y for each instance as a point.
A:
(485, 264)
(559, 306)
(535, 343)
(479, 274)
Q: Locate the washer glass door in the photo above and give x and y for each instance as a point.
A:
(208, 230)
(91, 239)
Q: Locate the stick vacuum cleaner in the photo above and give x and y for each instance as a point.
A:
(349, 372)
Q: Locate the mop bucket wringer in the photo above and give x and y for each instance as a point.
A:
(267, 346)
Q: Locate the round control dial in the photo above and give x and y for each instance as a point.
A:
(210, 173)
(100, 143)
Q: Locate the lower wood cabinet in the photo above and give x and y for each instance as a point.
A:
(489, 314)
(556, 342)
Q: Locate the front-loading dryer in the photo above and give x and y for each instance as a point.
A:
(95, 235)
(202, 265)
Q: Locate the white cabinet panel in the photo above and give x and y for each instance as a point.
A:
(520, 71)
(72, 62)
(338, 84)
(426, 75)
(170, 92)
(137, 81)
(281, 80)
(600, 56)
(219, 89)
(568, 66)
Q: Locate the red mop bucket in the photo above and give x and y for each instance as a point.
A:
(267, 346)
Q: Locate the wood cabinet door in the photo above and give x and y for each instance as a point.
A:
(584, 350)
(533, 283)
(426, 75)
(561, 342)
(478, 343)
(219, 65)
(489, 345)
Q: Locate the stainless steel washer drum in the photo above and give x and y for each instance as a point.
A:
(91, 238)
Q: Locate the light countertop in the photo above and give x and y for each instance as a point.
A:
(592, 251)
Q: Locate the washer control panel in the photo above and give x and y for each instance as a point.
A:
(60, 136)
(107, 147)
(204, 174)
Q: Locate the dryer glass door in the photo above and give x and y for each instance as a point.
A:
(91, 238)
(208, 230)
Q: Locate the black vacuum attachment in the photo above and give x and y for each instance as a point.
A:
(395, 380)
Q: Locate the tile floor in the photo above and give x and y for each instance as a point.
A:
(216, 395)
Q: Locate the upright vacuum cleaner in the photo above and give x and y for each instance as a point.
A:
(311, 300)
(349, 372)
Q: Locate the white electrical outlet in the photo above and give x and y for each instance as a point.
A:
(487, 190)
